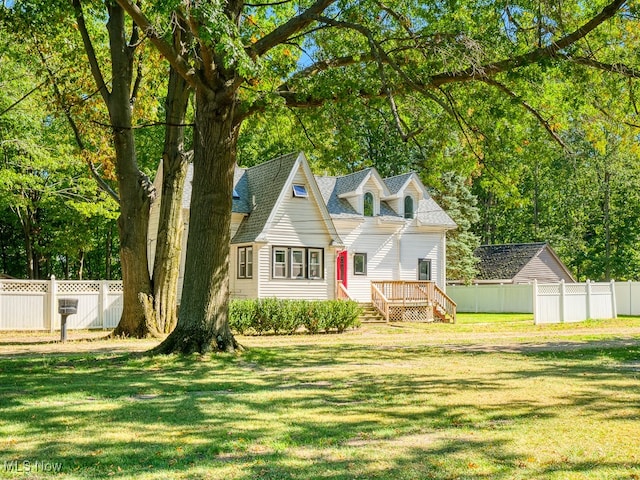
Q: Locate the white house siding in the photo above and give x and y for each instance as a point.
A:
(243, 287)
(544, 268)
(379, 242)
(298, 222)
(414, 245)
(152, 235)
(392, 252)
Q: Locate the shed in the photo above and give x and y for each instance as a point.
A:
(520, 263)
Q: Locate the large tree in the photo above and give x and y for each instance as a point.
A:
(105, 84)
(249, 56)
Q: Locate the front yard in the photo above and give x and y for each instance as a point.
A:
(491, 397)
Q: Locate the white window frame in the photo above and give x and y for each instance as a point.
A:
(276, 264)
(319, 265)
(290, 266)
(249, 262)
(364, 263)
(300, 190)
(428, 262)
(245, 262)
(413, 207)
(364, 204)
(301, 265)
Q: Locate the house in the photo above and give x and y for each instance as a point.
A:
(520, 263)
(296, 235)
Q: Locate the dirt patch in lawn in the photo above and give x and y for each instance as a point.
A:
(95, 341)
(378, 336)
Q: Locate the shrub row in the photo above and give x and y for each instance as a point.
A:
(265, 315)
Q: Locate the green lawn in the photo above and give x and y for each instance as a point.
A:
(476, 400)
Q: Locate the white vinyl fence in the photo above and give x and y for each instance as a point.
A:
(33, 304)
(628, 298)
(549, 302)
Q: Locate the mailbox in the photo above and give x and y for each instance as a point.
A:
(67, 306)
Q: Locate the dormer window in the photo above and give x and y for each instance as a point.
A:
(368, 210)
(300, 191)
(408, 207)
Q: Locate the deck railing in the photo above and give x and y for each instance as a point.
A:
(447, 305)
(414, 295)
(380, 301)
(342, 293)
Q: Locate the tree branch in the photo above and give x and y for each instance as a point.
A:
(284, 31)
(24, 97)
(503, 88)
(620, 68)
(272, 4)
(137, 83)
(534, 56)
(66, 108)
(91, 53)
(175, 59)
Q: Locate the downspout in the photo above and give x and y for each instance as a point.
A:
(443, 267)
(399, 240)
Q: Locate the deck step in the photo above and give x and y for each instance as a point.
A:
(370, 314)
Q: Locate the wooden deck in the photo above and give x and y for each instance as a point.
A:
(412, 301)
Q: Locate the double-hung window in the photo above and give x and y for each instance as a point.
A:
(315, 263)
(298, 263)
(245, 262)
(280, 263)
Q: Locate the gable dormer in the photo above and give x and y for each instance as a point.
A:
(405, 193)
(364, 190)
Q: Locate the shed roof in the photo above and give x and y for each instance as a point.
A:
(505, 261)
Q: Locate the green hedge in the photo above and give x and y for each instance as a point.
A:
(273, 315)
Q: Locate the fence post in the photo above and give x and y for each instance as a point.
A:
(562, 293)
(614, 307)
(588, 299)
(102, 302)
(535, 301)
(53, 293)
(475, 296)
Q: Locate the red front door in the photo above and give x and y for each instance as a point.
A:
(341, 267)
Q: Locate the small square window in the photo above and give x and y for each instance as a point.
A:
(300, 191)
(359, 263)
(236, 195)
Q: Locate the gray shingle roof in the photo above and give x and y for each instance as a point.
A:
(240, 184)
(502, 262)
(394, 184)
(349, 183)
(336, 206)
(430, 213)
(265, 182)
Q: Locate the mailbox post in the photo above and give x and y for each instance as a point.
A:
(66, 307)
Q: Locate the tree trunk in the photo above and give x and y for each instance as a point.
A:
(203, 320)
(166, 266)
(133, 186)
